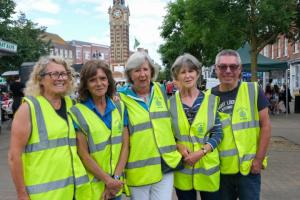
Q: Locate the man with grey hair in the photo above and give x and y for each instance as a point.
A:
(246, 127)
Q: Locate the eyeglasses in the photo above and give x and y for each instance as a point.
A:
(55, 75)
(224, 67)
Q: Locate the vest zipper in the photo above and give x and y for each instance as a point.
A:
(110, 140)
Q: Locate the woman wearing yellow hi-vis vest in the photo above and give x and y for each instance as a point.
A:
(43, 155)
(198, 132)
(102, 132)
(152, 150)
(246, 127)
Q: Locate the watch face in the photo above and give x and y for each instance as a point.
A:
(117, 13)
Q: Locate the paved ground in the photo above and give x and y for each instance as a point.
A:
(281, 180)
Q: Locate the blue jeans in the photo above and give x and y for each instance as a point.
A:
(117, 198)
(238, 186)
(192, 195)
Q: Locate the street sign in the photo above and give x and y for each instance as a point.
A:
(7, 46)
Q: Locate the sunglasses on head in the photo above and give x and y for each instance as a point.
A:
(224, 67)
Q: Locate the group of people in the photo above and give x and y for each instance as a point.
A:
(279, 98)
(138, 141)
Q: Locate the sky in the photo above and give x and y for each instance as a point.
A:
(88, 20)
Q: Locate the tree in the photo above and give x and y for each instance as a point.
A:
(23, 32)
(219, 24)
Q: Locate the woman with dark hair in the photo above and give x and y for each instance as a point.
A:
(101, 125)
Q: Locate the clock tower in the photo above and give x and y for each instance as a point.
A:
(119, 37)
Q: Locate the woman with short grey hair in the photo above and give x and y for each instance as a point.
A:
(198, 132)
(152, 155)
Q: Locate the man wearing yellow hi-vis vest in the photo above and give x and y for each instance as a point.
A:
(198, 132)
(153, 154)
(245, 120)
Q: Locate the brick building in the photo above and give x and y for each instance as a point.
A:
(89, 51)
(285, 50)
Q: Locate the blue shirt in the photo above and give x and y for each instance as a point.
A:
(107, 116)
(216, 133)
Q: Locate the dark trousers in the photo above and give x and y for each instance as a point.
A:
(239, 186)
(192, 195)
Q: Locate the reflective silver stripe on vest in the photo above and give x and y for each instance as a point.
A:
(81, 180)
(45, 187)
(211, 112)
(50, 144)
(83, 124)
(207, 172)
(40, 121)
(247, 157)
(167, 149)
(45, 143)
(245, 125)
(92, 146)
(102, 145)
(156, 115)
(147, 125)
(225, 122)
(231, 152)
(193, 139)
(251, 91)
(174, 116)
(139, 127)
(143, 163)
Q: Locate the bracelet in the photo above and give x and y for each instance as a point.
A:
(204, 150)
(116, 177)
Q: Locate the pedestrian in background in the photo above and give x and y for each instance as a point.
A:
(244, 115)
(16, 89)
(198, 132)
(102, 133)
(43, 156)
(152, 155)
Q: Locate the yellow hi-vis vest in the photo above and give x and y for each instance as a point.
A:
(52, 169)
(205, 174)
(151, 139)
(104, 144)
(241, 132)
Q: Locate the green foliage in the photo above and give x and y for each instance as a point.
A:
(24, 33)
(204, 27)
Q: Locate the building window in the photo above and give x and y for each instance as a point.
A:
(70, 54)
(66, 53)
(296, 47)
(78, 54)
(278, 49)
(56, 51)
(87, 55)
(51, 52)
(285, 52)
(272, 51)
(266, 51)
(61, 53)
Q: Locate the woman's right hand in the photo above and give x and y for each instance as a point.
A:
(114, 186)
(23, 196)
(183, 150)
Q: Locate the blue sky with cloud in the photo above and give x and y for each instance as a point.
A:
(88, 20)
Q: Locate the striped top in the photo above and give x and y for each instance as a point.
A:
(216, 133)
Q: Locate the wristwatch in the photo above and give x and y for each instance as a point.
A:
(116, 177)
(204, 150)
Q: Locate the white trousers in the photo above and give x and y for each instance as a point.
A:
(156, 191)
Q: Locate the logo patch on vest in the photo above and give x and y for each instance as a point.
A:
(201, 127)
(242, 113)
(158, 102)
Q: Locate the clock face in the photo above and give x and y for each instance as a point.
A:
(117, 13)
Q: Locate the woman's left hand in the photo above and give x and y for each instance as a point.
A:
(193, 157)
